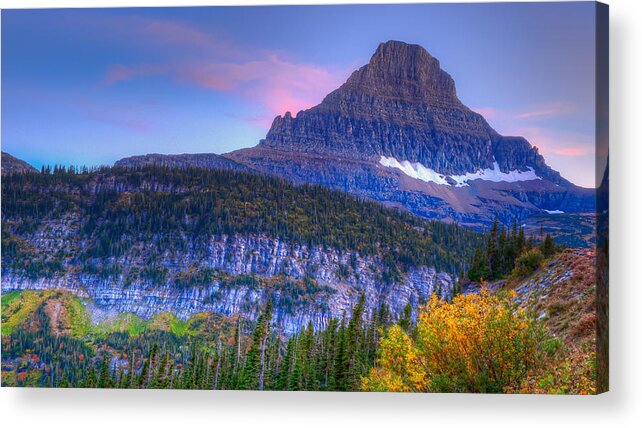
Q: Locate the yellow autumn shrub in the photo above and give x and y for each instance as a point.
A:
(477, 343)
(399, 367)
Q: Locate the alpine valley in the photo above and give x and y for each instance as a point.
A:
(307, 261)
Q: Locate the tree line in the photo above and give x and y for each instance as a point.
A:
(334, 358)
(509, 252)
(180, 210)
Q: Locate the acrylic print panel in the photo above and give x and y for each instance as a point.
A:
(395, 198)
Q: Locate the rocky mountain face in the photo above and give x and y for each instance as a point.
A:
(12, 165)
(475, 205)
(403, 105)
(396, 132)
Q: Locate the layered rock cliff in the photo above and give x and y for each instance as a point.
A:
(307, 284)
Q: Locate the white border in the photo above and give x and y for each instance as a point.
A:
(620, 407)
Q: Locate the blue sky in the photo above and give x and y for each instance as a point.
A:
(89, 86)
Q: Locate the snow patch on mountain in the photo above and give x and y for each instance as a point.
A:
(420, 172)
(414, 170)
(495, 175)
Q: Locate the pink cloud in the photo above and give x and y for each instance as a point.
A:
(550, 110)
(276, 84)
(571, 151)
(174, 32)
(269, 79)
(273, 83)
(561, 143)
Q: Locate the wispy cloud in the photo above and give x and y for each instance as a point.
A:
(556, 142)
(269, 79)
(175, 33)
(534, 125)
(546, 111)
(538, 112)
(572, 151)
(277, 84)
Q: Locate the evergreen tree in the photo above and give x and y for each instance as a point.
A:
(90, 379)
(548, 246)
(162, 377)
(521, 242)
(492, 252)
(296, 374)
(104, 380)
(64, 383)
(405, 322)
(282, 383)
(253, 375)
(339, 371)
(309, 359)
(479, 266)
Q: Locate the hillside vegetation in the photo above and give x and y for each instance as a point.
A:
(120, 211)
(532, 335)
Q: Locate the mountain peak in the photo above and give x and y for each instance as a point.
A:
(394, 49)
(402, 105)
(402, 70)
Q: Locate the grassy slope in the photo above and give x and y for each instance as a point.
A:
(65, 311)
(68, 315)
(562, 295)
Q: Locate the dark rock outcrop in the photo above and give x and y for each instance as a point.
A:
(12, 165)
(198, 160)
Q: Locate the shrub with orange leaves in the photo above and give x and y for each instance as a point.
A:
(477, 343)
